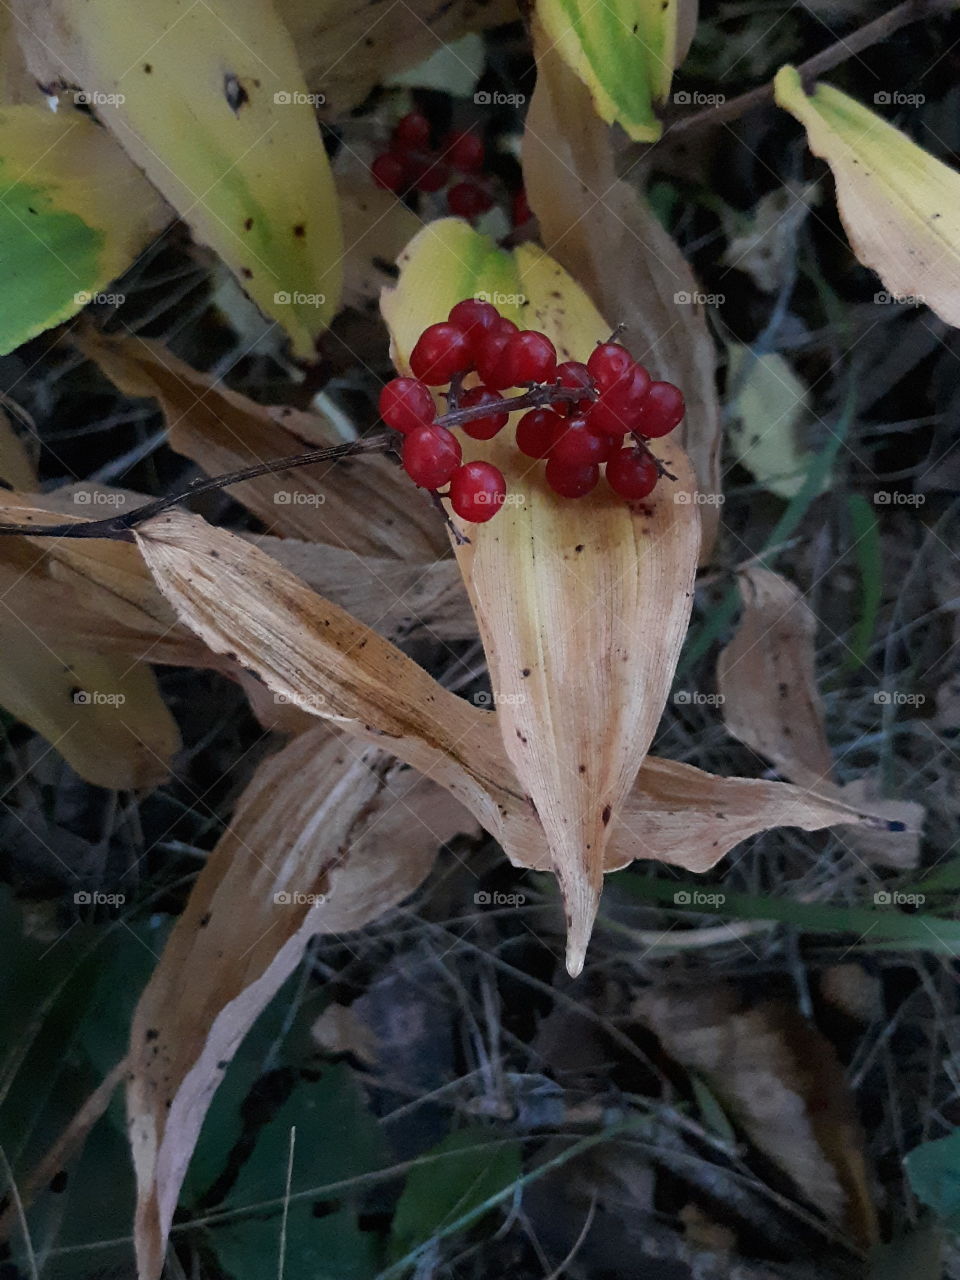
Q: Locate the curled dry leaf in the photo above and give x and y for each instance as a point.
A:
(582, 606)
(899, 205)
(327, 836)
(605, 234)
(778, 1077)
(362, 504)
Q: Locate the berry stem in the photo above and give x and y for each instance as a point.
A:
(642, 443)
(436, 498)
(535, 398)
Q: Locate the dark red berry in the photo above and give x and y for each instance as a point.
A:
(389, 172)
(619, 408)
(475, 318)
(477, 491)
(426, 172)
(489, 359)
(464, 151)
(662, 410)
(520, 209)
(537, 432)
(411, 133)
(468, 200)
(406, 404)
(575, 446)
(487, 427)
(632, 473)
(608, 363)
(570, 482)
(441, 351)
(529, 356)
(574, 374)
(430, 456)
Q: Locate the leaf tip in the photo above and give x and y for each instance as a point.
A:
(583, 901)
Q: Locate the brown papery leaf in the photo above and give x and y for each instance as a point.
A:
(376, 227)
(605, 234)
(779, 1079)
(361, 504)
(327, 836)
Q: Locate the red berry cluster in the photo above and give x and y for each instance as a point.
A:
(578, 414)
(411, 164)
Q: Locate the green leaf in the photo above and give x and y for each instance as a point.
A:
(934, 1172)
(477, 1164)
(75, 214)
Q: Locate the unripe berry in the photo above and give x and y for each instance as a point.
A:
(406, 404)
(537, 432)
(571, 482)
(529, 356)
(442, 350)
(632, 473)
(477, 491)
(430, 456)
(662, 410)
(575, 446)
(608, 363)
(389, 172)
(487, 427)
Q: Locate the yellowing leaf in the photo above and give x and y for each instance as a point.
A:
(899, 205)
(605, 234)
(326, 837)
(768, 405)
(624, 51)
(582, 606)
(75, 214)
(210, 102)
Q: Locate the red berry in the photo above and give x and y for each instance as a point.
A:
(441, 351)
(489, 359)
(571, 482)
(574, 374)
(537, 432)
(661, 411)
(406, 404)
(468, 200)
(389, 171)
(619, 408)
(575, 446)
(520, 209)
(465, 151)
(632, 473)
(411, 133)
(487, 427)
(477, 491)
(529, 356)
(426, 171)
(430, 456)
(608, 363)
(475, 318)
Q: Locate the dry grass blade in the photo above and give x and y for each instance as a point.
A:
(325, 838)
(608, 238)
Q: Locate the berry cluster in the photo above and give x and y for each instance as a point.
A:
(578, 414)
(412, 164)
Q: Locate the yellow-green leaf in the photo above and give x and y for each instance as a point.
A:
(899, 205)
(582, 606)
(624, 51)
(209, 100)
(75, 213)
